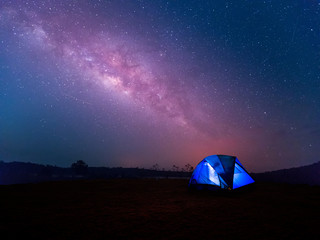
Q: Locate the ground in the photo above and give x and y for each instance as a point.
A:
(157, 209)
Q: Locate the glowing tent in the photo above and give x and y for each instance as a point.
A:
(219, 171)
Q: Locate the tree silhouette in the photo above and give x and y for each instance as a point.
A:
(175, 168)
(155, 167)
(188, 167)
(79, 167)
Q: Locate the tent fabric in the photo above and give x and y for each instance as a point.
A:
(223, 171)
(207, 175)
(237, 161)
(241, 177)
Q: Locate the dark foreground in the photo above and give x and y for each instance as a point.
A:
(156, 209)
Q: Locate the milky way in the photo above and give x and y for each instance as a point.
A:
(116, 65)
(159, 82)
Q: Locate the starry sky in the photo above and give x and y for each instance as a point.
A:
(136, 83)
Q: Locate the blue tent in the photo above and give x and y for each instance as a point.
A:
(220, 171)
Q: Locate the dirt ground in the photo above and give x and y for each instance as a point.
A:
(157, 209)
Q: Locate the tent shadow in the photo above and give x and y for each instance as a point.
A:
(215, 191)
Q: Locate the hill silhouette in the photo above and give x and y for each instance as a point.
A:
(309, 174)
(21, 172)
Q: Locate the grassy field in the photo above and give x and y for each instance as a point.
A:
(156, 209)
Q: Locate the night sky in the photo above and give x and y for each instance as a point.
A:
(134, 83)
